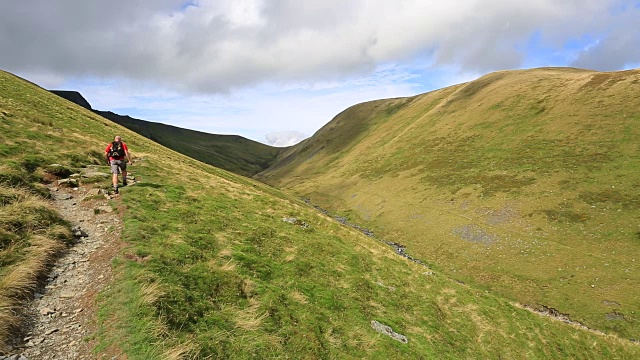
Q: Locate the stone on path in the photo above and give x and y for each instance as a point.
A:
(51, 331)
(106, 209)
(62, 196)
(67, 295)
(46, 311)
(94, 174)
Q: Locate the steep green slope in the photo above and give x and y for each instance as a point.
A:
(230, 152)
(522, 182)
(213, 271)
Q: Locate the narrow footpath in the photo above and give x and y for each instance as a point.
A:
(63, 314)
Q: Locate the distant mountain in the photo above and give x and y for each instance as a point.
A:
(523, 182)
(230, 152)
(73, 96)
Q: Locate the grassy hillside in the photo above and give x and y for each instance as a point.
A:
(213, 271)
(230, 152)
(526, 183)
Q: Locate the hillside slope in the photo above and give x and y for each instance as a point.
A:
(213, 271)
(230, 152)
(522, 182)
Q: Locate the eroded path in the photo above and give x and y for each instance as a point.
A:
(63, 315)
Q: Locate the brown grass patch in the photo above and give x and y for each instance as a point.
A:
(250, 319)
(482, 325)
(151, 293)
(19, 283)
(228, 266)
(331, 338)
(225, 253)
(299, 297)
(248, 288)
(181, 351)
(363, 339)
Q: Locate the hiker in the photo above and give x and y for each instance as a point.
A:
(115, 154)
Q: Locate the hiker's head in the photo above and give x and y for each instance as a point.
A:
(118, 138)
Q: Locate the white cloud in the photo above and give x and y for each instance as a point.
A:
(254, 112)
(255, 67)
(217, 46)
(285, 138)
(245, 13)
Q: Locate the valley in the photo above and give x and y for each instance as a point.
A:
(212, 264)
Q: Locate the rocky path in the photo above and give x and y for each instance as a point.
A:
(63, 314)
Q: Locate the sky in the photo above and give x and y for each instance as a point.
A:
(276, 71)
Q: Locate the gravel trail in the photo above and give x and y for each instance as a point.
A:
(63, 314)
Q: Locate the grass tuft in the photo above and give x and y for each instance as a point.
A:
(182, 351)
(151, 293)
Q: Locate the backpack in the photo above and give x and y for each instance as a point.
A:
(116, 151)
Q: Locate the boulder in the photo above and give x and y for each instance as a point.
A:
(68, 182)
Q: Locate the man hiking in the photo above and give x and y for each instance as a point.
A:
(115, 155)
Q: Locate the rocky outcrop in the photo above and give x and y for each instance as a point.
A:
(387, 330)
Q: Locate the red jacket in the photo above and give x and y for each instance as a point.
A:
(108, 149)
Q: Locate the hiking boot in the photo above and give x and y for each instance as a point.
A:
(124, 183)
(115, 190)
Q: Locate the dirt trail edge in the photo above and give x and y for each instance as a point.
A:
(63, 314)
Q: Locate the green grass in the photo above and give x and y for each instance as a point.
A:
(243, 273)
(213, 271)
(545, 161)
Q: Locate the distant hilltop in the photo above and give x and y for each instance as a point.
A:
(73, 96)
